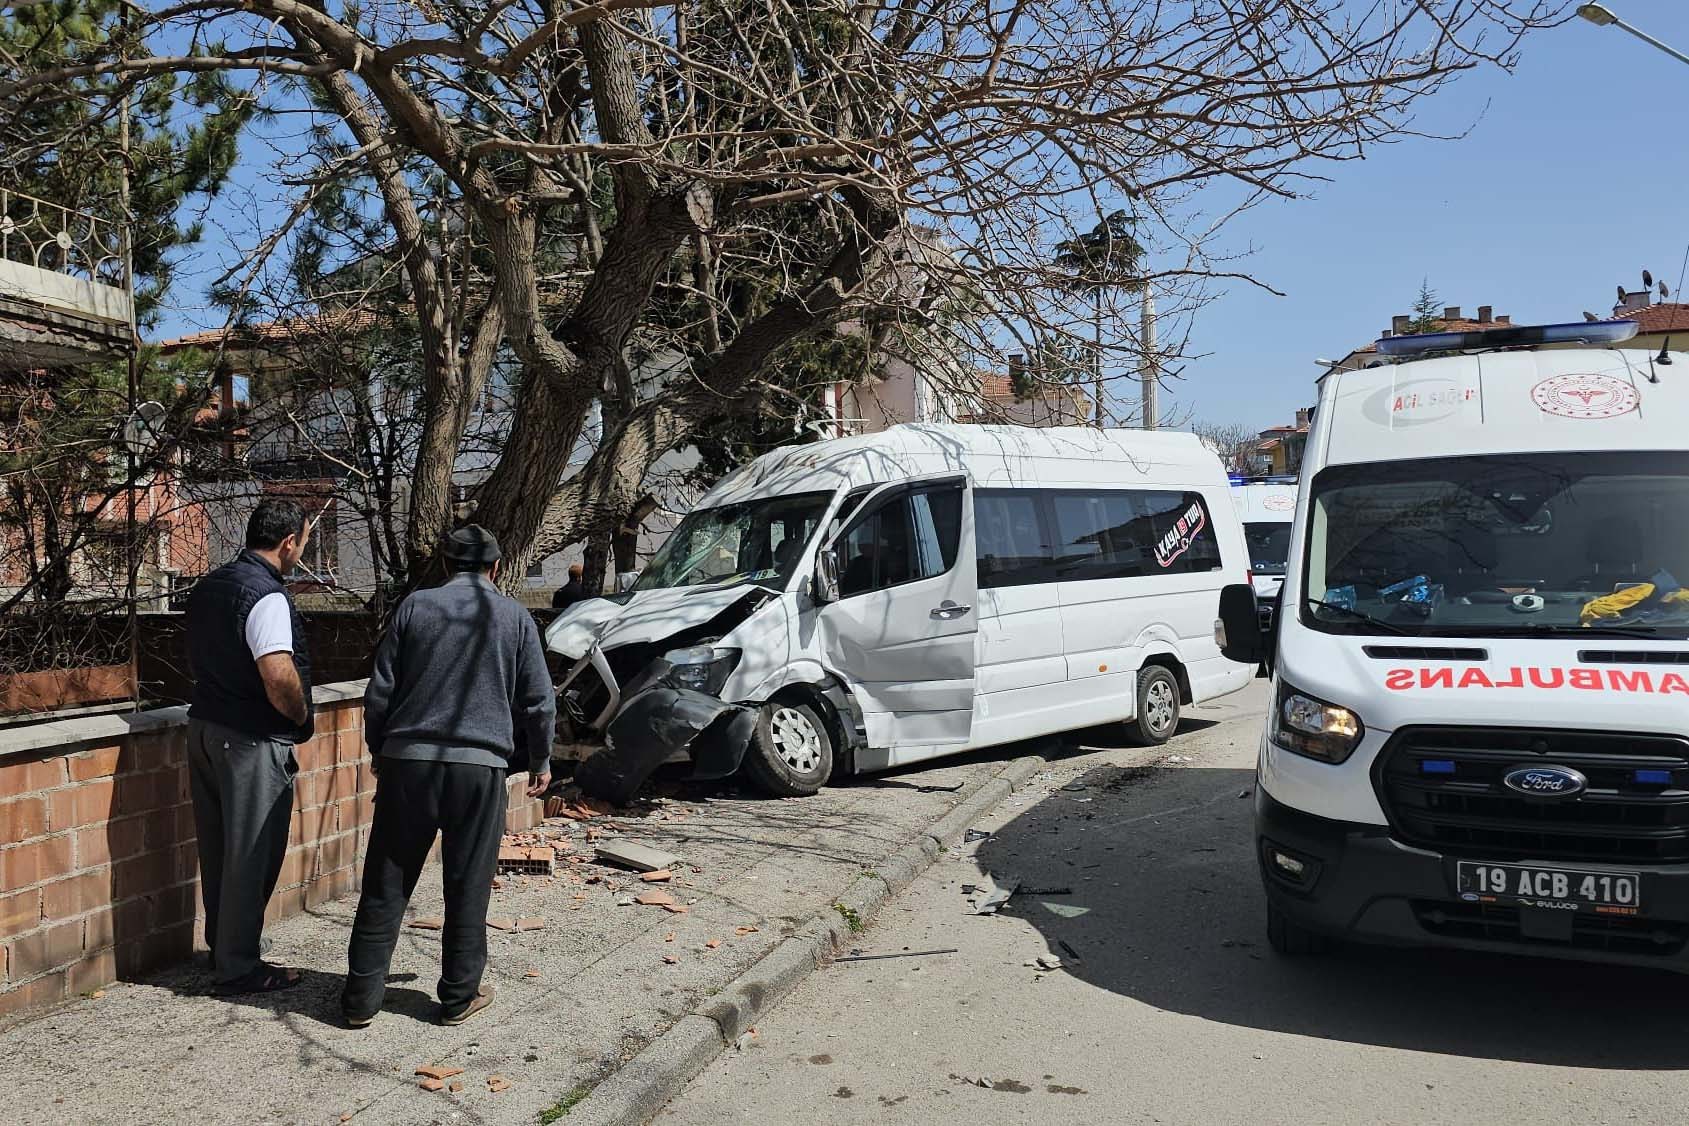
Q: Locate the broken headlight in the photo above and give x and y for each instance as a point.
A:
(700, 668)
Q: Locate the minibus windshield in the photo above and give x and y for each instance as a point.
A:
(1269, 546)
(1517, 545)
(757, 541)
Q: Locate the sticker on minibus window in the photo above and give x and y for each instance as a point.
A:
(1178, 539)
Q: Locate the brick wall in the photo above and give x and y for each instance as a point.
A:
(98, 867)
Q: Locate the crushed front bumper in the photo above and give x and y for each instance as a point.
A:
(643, 732)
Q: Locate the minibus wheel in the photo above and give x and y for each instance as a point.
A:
(1157, 716)
(791, 751)
(1293, 941)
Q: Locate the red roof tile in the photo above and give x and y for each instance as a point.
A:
(1670, 317)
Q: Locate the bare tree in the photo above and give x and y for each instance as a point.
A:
(1232, 441)
(574, 182)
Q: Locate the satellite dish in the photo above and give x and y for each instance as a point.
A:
(1647, 280)
(145, 430)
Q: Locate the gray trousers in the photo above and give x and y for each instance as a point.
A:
(242, 789)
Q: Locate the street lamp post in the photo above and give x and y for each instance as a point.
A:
(1602, 16)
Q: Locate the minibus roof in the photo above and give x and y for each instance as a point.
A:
(990, 455)
(1504, 402)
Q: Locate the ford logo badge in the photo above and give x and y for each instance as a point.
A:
(1546, 781)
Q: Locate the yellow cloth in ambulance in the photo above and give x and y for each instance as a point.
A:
(1614, 605)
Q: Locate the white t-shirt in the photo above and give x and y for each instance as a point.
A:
(269, 627)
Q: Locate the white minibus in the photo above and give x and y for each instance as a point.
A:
(1479, 734)
(865, 602)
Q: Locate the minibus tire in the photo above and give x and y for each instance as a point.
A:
(1291, 940)
(767, 766)
(1158, 691)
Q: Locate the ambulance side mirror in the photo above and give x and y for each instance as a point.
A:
(1238, 631)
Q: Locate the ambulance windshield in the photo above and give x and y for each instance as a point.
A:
(1541, 544)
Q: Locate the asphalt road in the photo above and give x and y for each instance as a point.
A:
(1175, 1010)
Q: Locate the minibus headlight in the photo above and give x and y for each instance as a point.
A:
(1307, 726)
(700, 668)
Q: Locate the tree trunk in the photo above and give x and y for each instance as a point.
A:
(595, 563)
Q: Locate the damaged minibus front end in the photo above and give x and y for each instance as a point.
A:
(654, 674)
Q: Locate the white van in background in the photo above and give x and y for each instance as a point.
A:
(1480, 728)
(862, 603)
(1267, 506)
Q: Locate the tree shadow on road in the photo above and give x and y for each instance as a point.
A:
(1166, 908)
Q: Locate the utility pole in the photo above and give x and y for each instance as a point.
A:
(1149, 370)
(131, 549)
(1099, 415)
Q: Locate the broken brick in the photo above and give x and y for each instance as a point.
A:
(654, 898)
(501, 922)
(532, 973)
(744, 930)
(660, 876)
(713, 943)
(438, 1071)
(432, 1084)
(456, 1088)
(676, 908)
(530, 923)
(671, 959)
(669, 937)
(428, 923)
(497, 1083)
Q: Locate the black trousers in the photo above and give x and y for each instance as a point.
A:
(242, 789)
(414, 800)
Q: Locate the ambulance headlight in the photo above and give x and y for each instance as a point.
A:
(1308, 726)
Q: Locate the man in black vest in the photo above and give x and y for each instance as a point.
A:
(458, 698)
(251, 704)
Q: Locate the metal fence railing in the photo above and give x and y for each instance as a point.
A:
(51, 236)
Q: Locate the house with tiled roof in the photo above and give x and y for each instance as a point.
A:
(1402, 325)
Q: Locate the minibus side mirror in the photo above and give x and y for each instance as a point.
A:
(625, 581)
(1239, 629)
(826, 585)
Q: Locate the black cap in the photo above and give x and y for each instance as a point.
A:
(474, 545)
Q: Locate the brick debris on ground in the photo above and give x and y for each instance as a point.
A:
(586, 974)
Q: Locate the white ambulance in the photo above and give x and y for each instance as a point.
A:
(1479, 734)
(1266, 506)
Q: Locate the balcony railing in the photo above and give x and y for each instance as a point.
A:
(53, 237)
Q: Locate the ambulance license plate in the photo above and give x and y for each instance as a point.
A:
(1540, 885)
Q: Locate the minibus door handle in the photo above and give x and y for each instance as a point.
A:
(948, 610)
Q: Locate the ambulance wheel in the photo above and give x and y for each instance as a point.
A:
(1157, 716)
(791, 751)
(1291, 940)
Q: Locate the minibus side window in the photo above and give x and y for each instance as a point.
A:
(911, 536)
(1183, 539)
(1100, 535)
(1010, 540)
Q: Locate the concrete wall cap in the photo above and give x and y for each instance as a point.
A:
(73, 733)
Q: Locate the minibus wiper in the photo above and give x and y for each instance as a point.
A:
(1387, 627)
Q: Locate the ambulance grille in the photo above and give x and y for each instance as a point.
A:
(1441, 788)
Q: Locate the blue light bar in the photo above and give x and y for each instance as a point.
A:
(1436, 766)
(1592, 333)
(1653, 777)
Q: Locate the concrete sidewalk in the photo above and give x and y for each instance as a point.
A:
(576, 998)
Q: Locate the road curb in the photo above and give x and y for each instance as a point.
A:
(645, 1084)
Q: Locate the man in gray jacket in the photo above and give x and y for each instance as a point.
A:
(459, 697)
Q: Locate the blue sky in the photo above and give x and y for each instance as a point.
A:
(1571, 180)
